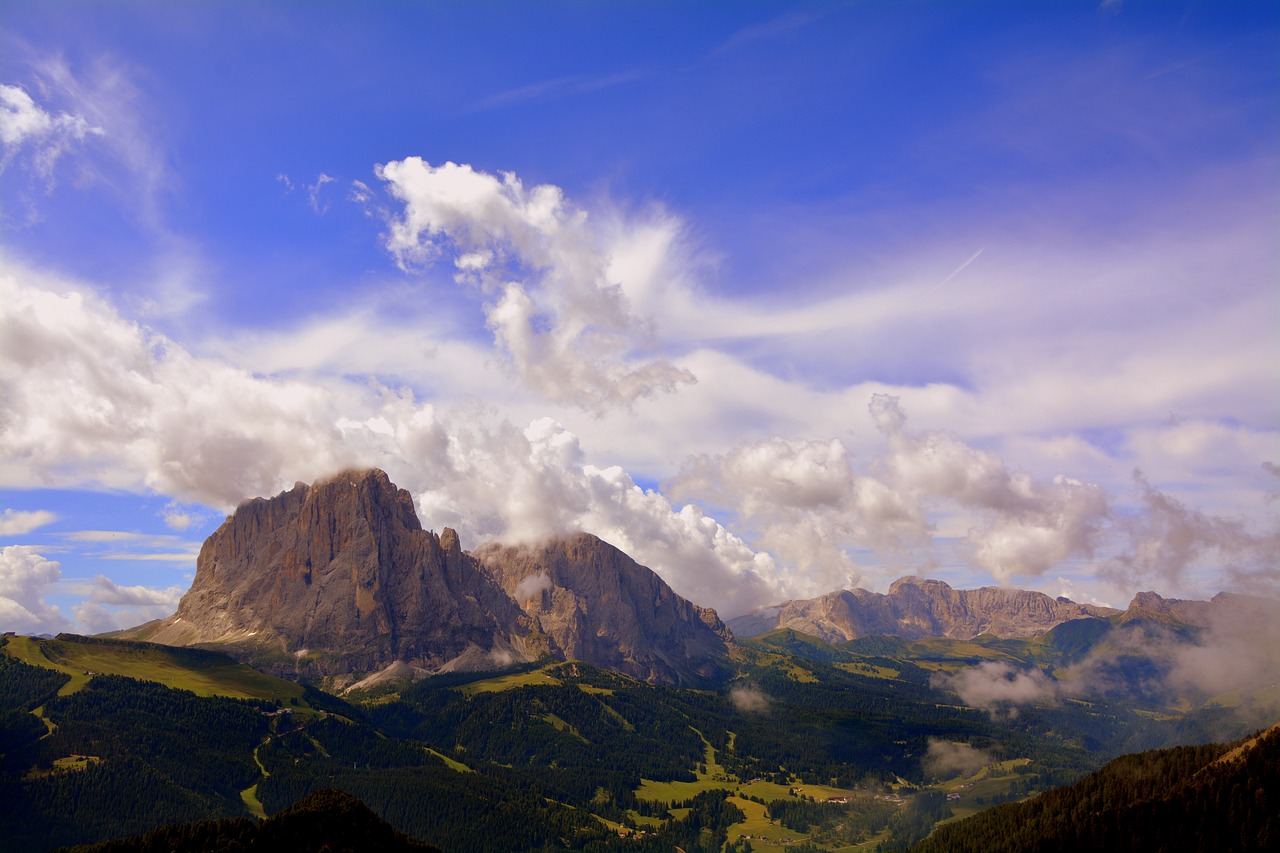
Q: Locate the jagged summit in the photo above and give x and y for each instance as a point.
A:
(915, 608)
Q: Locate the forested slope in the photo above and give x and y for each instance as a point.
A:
(1189, 798)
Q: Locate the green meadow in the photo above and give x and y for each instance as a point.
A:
(203, 673)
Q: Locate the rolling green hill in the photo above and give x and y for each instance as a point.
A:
(204, 673)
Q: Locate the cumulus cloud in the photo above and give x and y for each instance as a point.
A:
(25, 577)
(750, 700)
(998, 687)
(944, 758)
(542, 266)
(108, 401)
(1030, 526)
(809, 505)
(111, 606)
(14, 522)
(26, 127)
(804, 503)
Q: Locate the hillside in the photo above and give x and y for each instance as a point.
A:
(1192, 799)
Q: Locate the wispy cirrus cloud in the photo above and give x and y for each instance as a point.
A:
(561, 87)
(28, 130)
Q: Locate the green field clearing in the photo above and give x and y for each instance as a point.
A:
(941, 665)
(450, 763)
(986, 784)
(203, 673)
(509, 682)
(764, 836)
(249, 796)
(75, 762)
(672, 792)
(868, 669)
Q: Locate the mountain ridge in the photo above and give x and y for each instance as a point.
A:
(916, 608)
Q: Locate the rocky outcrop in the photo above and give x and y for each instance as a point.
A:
(339, 577)
(595, 604)
(914, 609)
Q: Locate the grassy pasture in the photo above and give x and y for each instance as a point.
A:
(203, 673)
(868, 669)
(510, 682)
(985, 784)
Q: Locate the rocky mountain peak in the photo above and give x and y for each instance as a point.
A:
(340, 577)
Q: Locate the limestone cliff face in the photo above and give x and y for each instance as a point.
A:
(595, 604)
(915, 608)
(341, 577)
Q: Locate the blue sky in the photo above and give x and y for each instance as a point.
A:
(779, 298)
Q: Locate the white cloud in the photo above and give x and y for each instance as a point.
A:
(999, 688)
(809, 506)
(313, 193)
(542, 267)
(25, 576)
(25, 125)
(1166, 538)
(107, 401)
(111, 606)
(178, 517)
(532, 587)
(944, 758)
(14, 522)
(750, 700)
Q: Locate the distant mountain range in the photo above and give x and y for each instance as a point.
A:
(339, 579)
(914, 609)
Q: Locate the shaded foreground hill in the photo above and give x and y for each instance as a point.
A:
(1189, 798)
(331, 821)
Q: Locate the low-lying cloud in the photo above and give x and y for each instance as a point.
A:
(943, 759)
(999, 687)
(750, 700)
(532, 587)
